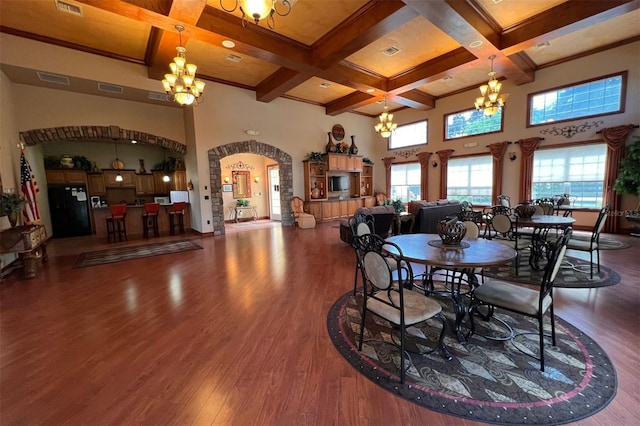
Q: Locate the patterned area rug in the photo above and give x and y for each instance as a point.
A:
(101, 257)
(486, 381)
(577, 276)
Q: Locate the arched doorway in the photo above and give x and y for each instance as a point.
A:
(248, 147)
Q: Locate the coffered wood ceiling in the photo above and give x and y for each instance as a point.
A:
(331, 52)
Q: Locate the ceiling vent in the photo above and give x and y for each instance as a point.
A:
(390, 51)
(156, 96)
(233, 58)
(110, 88)
(71, 8)
(53, 78)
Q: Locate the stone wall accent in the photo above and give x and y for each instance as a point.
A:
(249, 147)
(98, 133)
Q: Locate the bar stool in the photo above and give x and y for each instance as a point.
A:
(176, 212)
(116, 226)
(150, 219)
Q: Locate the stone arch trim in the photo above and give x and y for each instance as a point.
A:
(249, 147)
(98, 133)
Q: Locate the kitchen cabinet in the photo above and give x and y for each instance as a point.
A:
(161, 187)
(344, 162)
(179, 180)
(145, 184)
(128, 178)
(95, 184)
(64, 176)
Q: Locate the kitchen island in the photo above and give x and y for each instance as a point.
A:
(133, 220)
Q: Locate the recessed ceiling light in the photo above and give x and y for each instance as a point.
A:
(371, 90)
(475, 44)
(325, 85)
(229, 44)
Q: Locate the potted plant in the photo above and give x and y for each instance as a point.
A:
(11, 204)
(398, 205)
(628, 181)
(316, 157)
(242, 202)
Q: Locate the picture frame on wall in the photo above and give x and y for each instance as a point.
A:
(227, 188)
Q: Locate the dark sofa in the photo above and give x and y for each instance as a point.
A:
(382, 216)
(429, 213)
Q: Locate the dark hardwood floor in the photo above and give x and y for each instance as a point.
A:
(234, 333)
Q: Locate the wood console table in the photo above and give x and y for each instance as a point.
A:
(29, 242)
(235, 213)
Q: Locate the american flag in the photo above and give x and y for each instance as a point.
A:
(29, 189)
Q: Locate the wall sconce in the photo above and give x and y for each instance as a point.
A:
(512, 156)
(226, 179)
(256, 179)
(434, 164)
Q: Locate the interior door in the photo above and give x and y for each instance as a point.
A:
(275, 212)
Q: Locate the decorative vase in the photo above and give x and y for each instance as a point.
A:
(451, 231)
(331, 147)
(525, 210)
(66, 162)
(13, 218)
(142, 169)
(353, 149)
(315, 192)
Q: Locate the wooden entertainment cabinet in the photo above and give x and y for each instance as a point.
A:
(324, 204)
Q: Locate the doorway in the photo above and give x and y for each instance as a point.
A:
(275, 209)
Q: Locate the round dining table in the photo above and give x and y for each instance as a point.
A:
(427, 249)
(541, 225)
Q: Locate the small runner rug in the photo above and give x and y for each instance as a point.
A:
(486, 381)
(574, 273)
(120, 254)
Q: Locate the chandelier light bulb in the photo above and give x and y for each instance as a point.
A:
(181, 84)
(258, 10)
(386, 126)
(491, 100)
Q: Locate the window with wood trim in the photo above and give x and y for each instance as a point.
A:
(470, 179)
(472, 122)
(409, 135)
(591, 98)
(575, 170)
(405, 182)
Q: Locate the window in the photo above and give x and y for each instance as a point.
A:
(471, 122)
(586, 99)
(409, 135)
(577, 171)
(405, 182)
(470, 179)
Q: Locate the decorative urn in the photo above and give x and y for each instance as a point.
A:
(66, 162)
(451, 231)
(525, 209)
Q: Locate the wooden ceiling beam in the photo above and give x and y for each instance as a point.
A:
(568, 17)
(429, 71)
(416, 99)
(279, 83)
(350, 102)
(371, 22)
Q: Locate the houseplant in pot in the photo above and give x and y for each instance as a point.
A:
(11, 204)
(628, 182)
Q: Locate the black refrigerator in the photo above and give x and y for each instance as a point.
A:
(69, 207)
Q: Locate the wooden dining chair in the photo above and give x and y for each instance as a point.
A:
(525, 301)
(393, 299)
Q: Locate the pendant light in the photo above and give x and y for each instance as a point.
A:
(118, 176)
(166, 177)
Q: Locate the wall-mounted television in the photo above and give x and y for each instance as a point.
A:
(338, 183)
